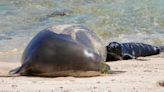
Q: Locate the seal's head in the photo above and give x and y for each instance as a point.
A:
(114, 51)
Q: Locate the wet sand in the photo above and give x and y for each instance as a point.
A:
(141, 75)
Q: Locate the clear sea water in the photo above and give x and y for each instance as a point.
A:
(112, 20)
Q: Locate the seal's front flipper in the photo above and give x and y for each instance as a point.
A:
(127, 56)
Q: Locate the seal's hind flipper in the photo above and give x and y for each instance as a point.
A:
(19, 70)
(15, 71)
(12, 73)
(161, 48)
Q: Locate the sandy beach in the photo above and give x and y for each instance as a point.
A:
(123, 21)
(142, 75)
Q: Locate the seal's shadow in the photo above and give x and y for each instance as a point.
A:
(142, 59)
(116, 72)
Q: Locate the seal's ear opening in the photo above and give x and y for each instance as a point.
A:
(114, 51)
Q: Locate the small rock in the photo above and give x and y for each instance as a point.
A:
(161, 83)
(14, 86)
(147, 71)
(66, 91)
(98, 82)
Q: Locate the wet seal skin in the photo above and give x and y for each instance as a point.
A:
(64, 50)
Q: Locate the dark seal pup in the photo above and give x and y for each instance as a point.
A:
(64, 50)
(119, 51)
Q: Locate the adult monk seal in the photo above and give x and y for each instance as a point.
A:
(64, 50)
(131, 50)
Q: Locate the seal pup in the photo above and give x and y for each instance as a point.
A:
(123, 51)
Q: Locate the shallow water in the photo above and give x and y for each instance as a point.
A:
(112, 20)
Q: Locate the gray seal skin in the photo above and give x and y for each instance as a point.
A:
(64, 50)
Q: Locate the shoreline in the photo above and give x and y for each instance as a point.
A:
(142, 75)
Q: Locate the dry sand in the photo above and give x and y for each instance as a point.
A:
(141, 75)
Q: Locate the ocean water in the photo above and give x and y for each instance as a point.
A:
(112, 20)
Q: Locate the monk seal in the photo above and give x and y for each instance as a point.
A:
(131, 50)
(63, 50)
